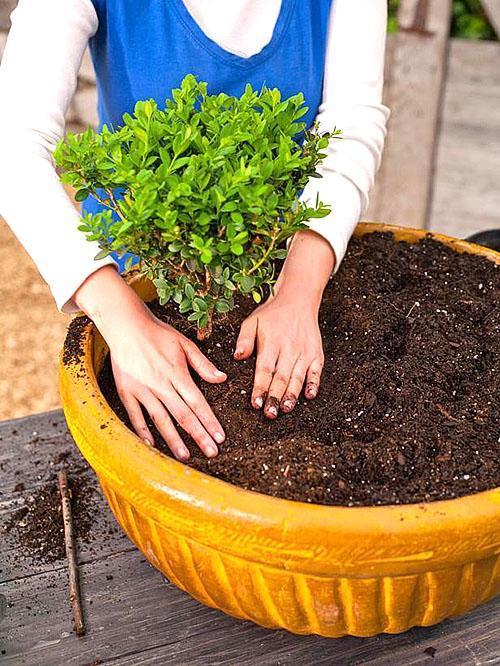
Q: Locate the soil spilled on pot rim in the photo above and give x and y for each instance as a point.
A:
(409, 405)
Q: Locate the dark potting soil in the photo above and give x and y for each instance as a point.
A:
(38, 525)
(409, 405)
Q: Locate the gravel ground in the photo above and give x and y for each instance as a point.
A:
(31, 334)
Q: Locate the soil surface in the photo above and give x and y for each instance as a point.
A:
(409, 405)
(38, 525)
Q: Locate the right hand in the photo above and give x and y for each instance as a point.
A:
(151, 361)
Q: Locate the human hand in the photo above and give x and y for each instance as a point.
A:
(289, 351)
(285, 329)
(151, 362)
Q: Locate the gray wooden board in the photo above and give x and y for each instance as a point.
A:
(466, 194)
(415, 72)
(137, 618)
(492, 8)
(28, 448)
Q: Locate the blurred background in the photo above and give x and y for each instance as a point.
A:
(441, 167)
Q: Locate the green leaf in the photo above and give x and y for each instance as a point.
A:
(82, 194)
(189, 291)
(222, 306)
(201, 304)
(185, 305)
(206, 256)
(247, 283)
(237, 249)
(102, 255)
(129, 263)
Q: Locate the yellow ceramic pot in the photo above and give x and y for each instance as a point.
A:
(307, 568)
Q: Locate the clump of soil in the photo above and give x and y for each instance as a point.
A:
(38, 525)
(409, 406)
(73, 346)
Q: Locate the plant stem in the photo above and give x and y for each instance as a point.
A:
(206, 331)
(274, 235)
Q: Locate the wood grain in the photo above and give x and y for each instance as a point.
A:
(135, 618)
(466, 194)
(413, 92)
(28, 447)
(492, 9)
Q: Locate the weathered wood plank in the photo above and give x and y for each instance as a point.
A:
(246, 645)
(28, 448)
(466, 194)
(413, 92)
(136, 618)
(492, 9)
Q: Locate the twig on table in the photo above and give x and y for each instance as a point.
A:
(69, 542)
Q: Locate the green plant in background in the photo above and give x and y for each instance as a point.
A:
(469, 20)
(392, 18)
(204, 191)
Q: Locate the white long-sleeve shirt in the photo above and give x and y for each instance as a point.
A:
(38, 77)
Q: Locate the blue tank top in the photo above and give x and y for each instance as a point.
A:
(142, 50)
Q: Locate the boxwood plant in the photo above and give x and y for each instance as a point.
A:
(204, 191)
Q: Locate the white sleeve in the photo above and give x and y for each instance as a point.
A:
(352, 93)
(38, 77)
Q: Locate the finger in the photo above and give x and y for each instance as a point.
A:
(264, 371)
(313, 378)
(136, 416)
(278, 385)
(294, 387)
(188, 421)
(165, 426)
(201, 365)
(246, 339)
(192, 395)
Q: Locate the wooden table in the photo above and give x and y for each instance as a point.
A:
(135, 617)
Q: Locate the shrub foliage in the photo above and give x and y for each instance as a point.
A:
(204, 191)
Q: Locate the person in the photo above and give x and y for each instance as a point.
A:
(332, 51)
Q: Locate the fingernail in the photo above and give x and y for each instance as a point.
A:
(238, 353)
(211, 450)
(218, 373)
(148, 441)
(272, 411)
(259, 401)
(288, 404)
(183, 455)
(311, 391)
(219, 437)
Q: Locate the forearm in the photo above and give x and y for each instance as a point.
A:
(110, 302)
(307, 269)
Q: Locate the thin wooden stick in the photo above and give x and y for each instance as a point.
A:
(69, 541)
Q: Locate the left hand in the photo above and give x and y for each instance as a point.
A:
(285, 329)
(289, 351)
